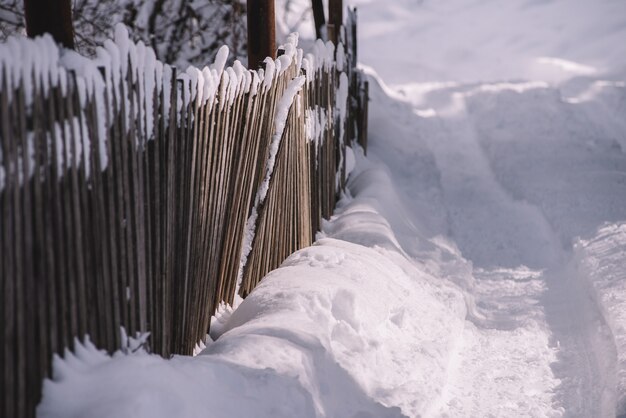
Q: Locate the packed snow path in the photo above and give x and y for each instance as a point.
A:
(513, 172)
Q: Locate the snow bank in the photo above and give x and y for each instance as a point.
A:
(349, 327)
(513, 172)
(602, 261)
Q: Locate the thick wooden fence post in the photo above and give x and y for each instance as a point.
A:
(50, 16)
(261, 32)
(335, 20)
(318, 17)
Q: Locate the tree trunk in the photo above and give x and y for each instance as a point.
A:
(50, 16)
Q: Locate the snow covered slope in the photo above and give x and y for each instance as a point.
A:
(504, 126)
(412, 41)
(512, 173)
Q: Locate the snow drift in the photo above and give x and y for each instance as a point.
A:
(341, 330)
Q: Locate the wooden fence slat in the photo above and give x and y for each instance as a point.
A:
(131, 204)
(4, 349)
(77, 285)
(8, 284)
(169, 272)
(19, 214)
(149, 208)
(102, 302)
(123, 217)
(40, 273)
(139, 207)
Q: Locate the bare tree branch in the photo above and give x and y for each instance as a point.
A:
(181, 32)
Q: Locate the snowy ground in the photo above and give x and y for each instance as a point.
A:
(477, 267)
(512, 141)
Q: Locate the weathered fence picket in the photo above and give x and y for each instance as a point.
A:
(135, 196)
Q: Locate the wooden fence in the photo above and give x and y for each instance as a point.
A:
(135, 196)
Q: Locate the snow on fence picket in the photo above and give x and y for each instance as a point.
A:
(135, 196)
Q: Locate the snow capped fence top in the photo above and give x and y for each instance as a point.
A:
(39, 65)
(135, 196)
